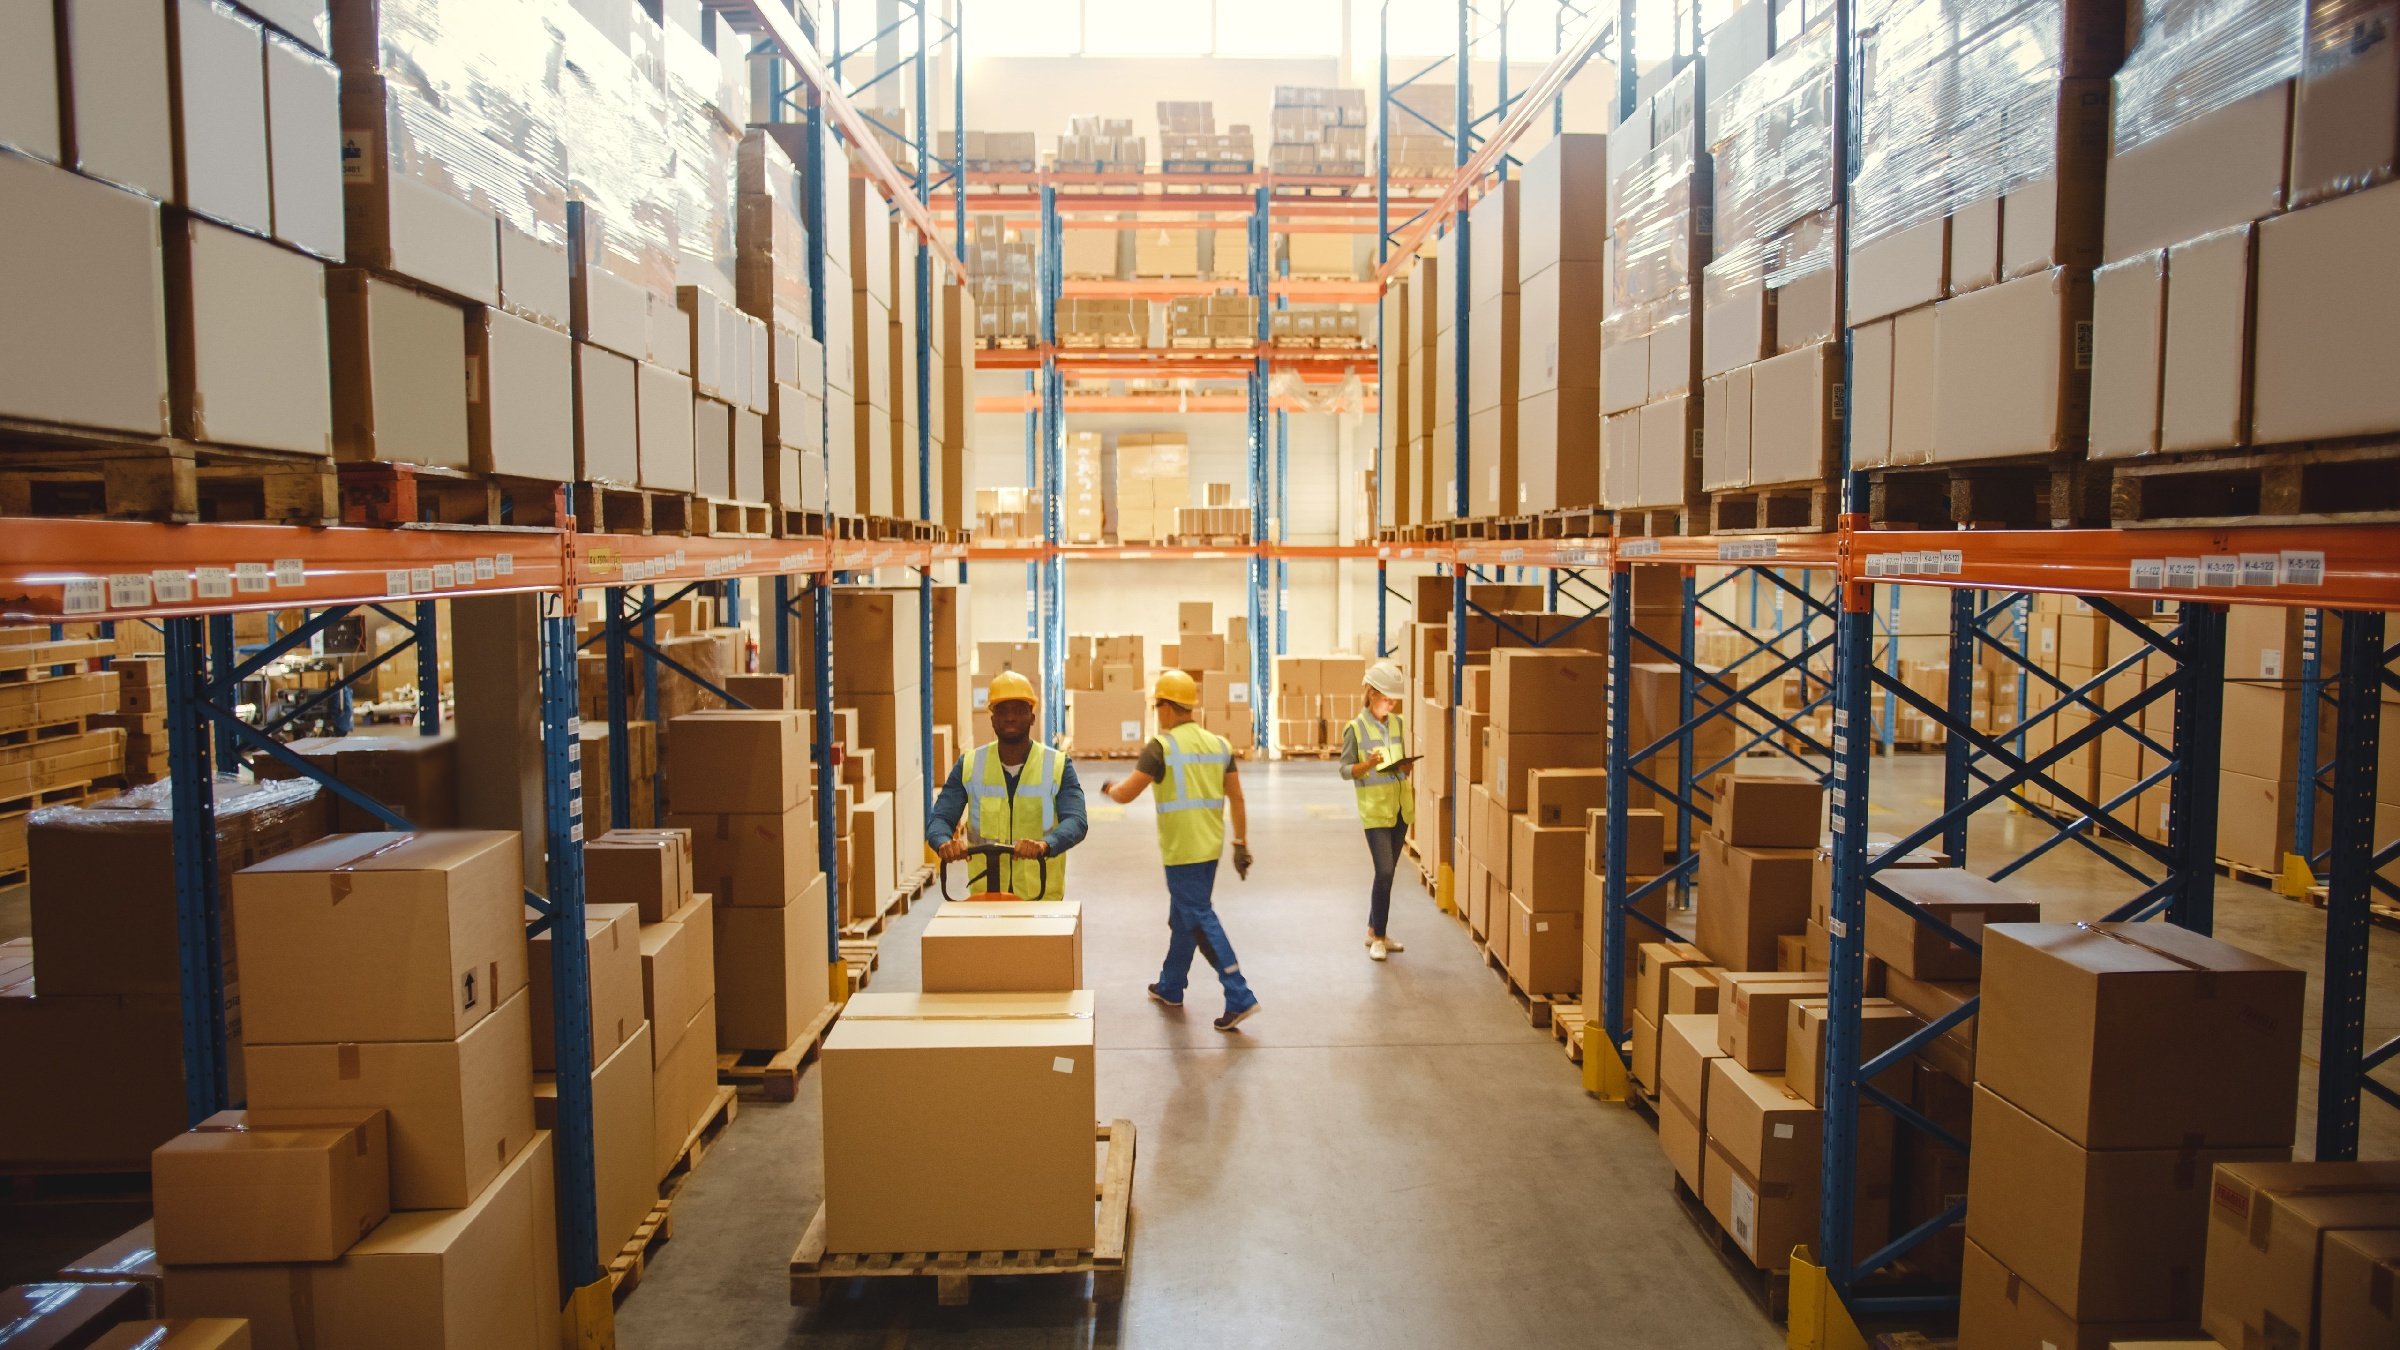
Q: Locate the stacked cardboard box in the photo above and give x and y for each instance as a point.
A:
(2296, 1251)
(953, 692)
(1110, 703)
(1221, 663)
(63, 713)
(1189, 141)
(1002, 264)
(1318, 326)
(1318, 131)
(1975, 226)
(1396, 452)
(1420, 144)
(1546, 709)
(1435, 290)
(879, 646)
(1221, 320)
(1489, 401)
(1658, 202)
(997, 151)
(872, 489)
(1154, 481)
(954, 410)
(101, 895)
(1315, 697)
(651, 872)
(1768, 360)
(432, 1058)
(1092, 321)
(1562, 242)
(2258, 780)
(2099, 1115)
(1100, 145)
(772, 287)
(743, 792)
(1008, 514)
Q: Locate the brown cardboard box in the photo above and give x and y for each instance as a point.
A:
(2267, 1225)
(399, 372)
(249, 340)
(1544, 948)
(733, 761)
(2309, 281)
(1541, 690)
(683, 1087)
(1642, 1067)
(1957, 897)
(1747, 897)
(624, 1149)
(1953, 1052)
(1565, 797)
(2128, 354)
(86, 301)
(1687, 1043)
(752, 859)
(322, 922)
(459, 1109)
(648, 869)
(521, 403)
(1511, 758)
(1764, 812)
(2108, 1235)
(1653, 962)
(679, 973)
(2204, 395)
(771, 965)
(1003, 946)
(226, 1191)
(1545, 866)
(1753, 1014)
(2207, 1050)
(1107, 721)
(2000, 1310)
(868, 876)
(1645, 842)
(613, 945)
(1882, 1024)
(1019, 1064)
(1764, 1155)
(1694, 989)
(1794, 415)
(1684, 1142)
(2022, 337)
(2359, 1266)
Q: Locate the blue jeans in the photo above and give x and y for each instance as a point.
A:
(1383, 845)
(1192, 926)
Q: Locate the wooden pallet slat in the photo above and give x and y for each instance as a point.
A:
(2351, 482)
(713, 1123)
(2038, 492)
(63, 472)
(1790, 508)
(379, 493)
(776, 1074)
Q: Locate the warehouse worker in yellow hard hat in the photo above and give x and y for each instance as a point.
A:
(1375, 759)
(1013, 791)
(1197, 784)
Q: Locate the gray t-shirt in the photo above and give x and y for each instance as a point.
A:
(1153, 761)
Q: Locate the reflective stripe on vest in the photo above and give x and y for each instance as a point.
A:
(1383, 798)
(1191, 797)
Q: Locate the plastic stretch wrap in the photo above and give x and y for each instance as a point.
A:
(471, 100)
(2196, 56)
(1959, 104)
(772, 271)
(255, 821)
(1652, 229)
(1773, 170)
(704, 150)
(620, 161)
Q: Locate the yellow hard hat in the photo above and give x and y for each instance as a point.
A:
(1010, 687)
(1177, 688)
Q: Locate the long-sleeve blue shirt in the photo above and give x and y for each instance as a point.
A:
(951, 807)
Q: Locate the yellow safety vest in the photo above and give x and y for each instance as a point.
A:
(1191, 798)
(1383, 798)
(994, 817)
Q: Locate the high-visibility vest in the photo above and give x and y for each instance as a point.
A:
(995, 817)
(1383, 798)
(1191, 798)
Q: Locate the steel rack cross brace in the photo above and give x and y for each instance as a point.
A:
(2355, 867)
(1981, 770)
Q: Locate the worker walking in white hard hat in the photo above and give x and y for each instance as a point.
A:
(1376, 760)
(1014, 791)
(1198, 787)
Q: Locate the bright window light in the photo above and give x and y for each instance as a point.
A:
(1280, 27)
(1128, 28)
(1420, 29)
(1024, 27)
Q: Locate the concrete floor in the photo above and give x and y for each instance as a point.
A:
(1388, 1156)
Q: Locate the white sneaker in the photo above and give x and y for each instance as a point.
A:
(1393, 945)
(1377, 949)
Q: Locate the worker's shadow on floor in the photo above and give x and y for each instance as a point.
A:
(1033, 1312)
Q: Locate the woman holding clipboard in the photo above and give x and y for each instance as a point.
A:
(1375, 759)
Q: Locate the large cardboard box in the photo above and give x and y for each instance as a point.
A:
(2223, 168)
(2108, 1235)
(678, 971)
(1882, 1024)
(228, 1191)
(624, 1151)
(250, 367)
(322, 923)
(663, 427)
(483, 1274)
(82, 284)
(728, 760)
(683, 1087)
(771, 965)
(1687, 1043)
(2000, 1310)
(1511, 757)
(1748, 897)
(521, 403)
(1538, 690)
(613, 964)
(399, 372)
(752, 858)
(2129, 1036)
(1954, 895)
(1766, 812)
(868, 878)
(1019, 1065)
(1754, 1015)
(1003, 946)
(1652, 962)
(1545, 866)
(2352, 1303)
(2312, 289)
(2011, 370)
(1545, 948)
(2267, 1230)
(607, 439)
(459, 1108)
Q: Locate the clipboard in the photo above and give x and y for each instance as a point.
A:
(1398, 764)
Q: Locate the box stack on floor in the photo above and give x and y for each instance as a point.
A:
(1540, 711)
(878, 648)
(1563, 282)
(744, 793)
(425, 1192)
(2249, 163)
(1025, 658)
(1397, 342)
(1108, 692)
(953, 685)
(1219, 662)
(651, 873)
(1658, 202)
(1768, 360)
(1315, 697)
(63, 711)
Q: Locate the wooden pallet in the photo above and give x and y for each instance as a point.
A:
(776, 1074)
(861, 956)
(416, 494)
(1233, 344)
(1771, 1290)
(1566, 1027)
(954, 1273)
(722, 519)
(2352, 482)
(1648, 522)
(1210, 540)
(713, 1123)
(1792, 508)
(1578, 524)
(64, 472)
(1536, 1007)
(613, 508)
(898, 530)
(626, 1268)
(2043, 492)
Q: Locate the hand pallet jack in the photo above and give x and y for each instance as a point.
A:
(993, 856)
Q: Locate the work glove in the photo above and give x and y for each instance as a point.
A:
(1241, 861)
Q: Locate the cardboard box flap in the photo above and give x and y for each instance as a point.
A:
(433, 1232)
(2113, 948)
(387, 852)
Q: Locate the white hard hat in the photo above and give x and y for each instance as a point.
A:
(1385, 678)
